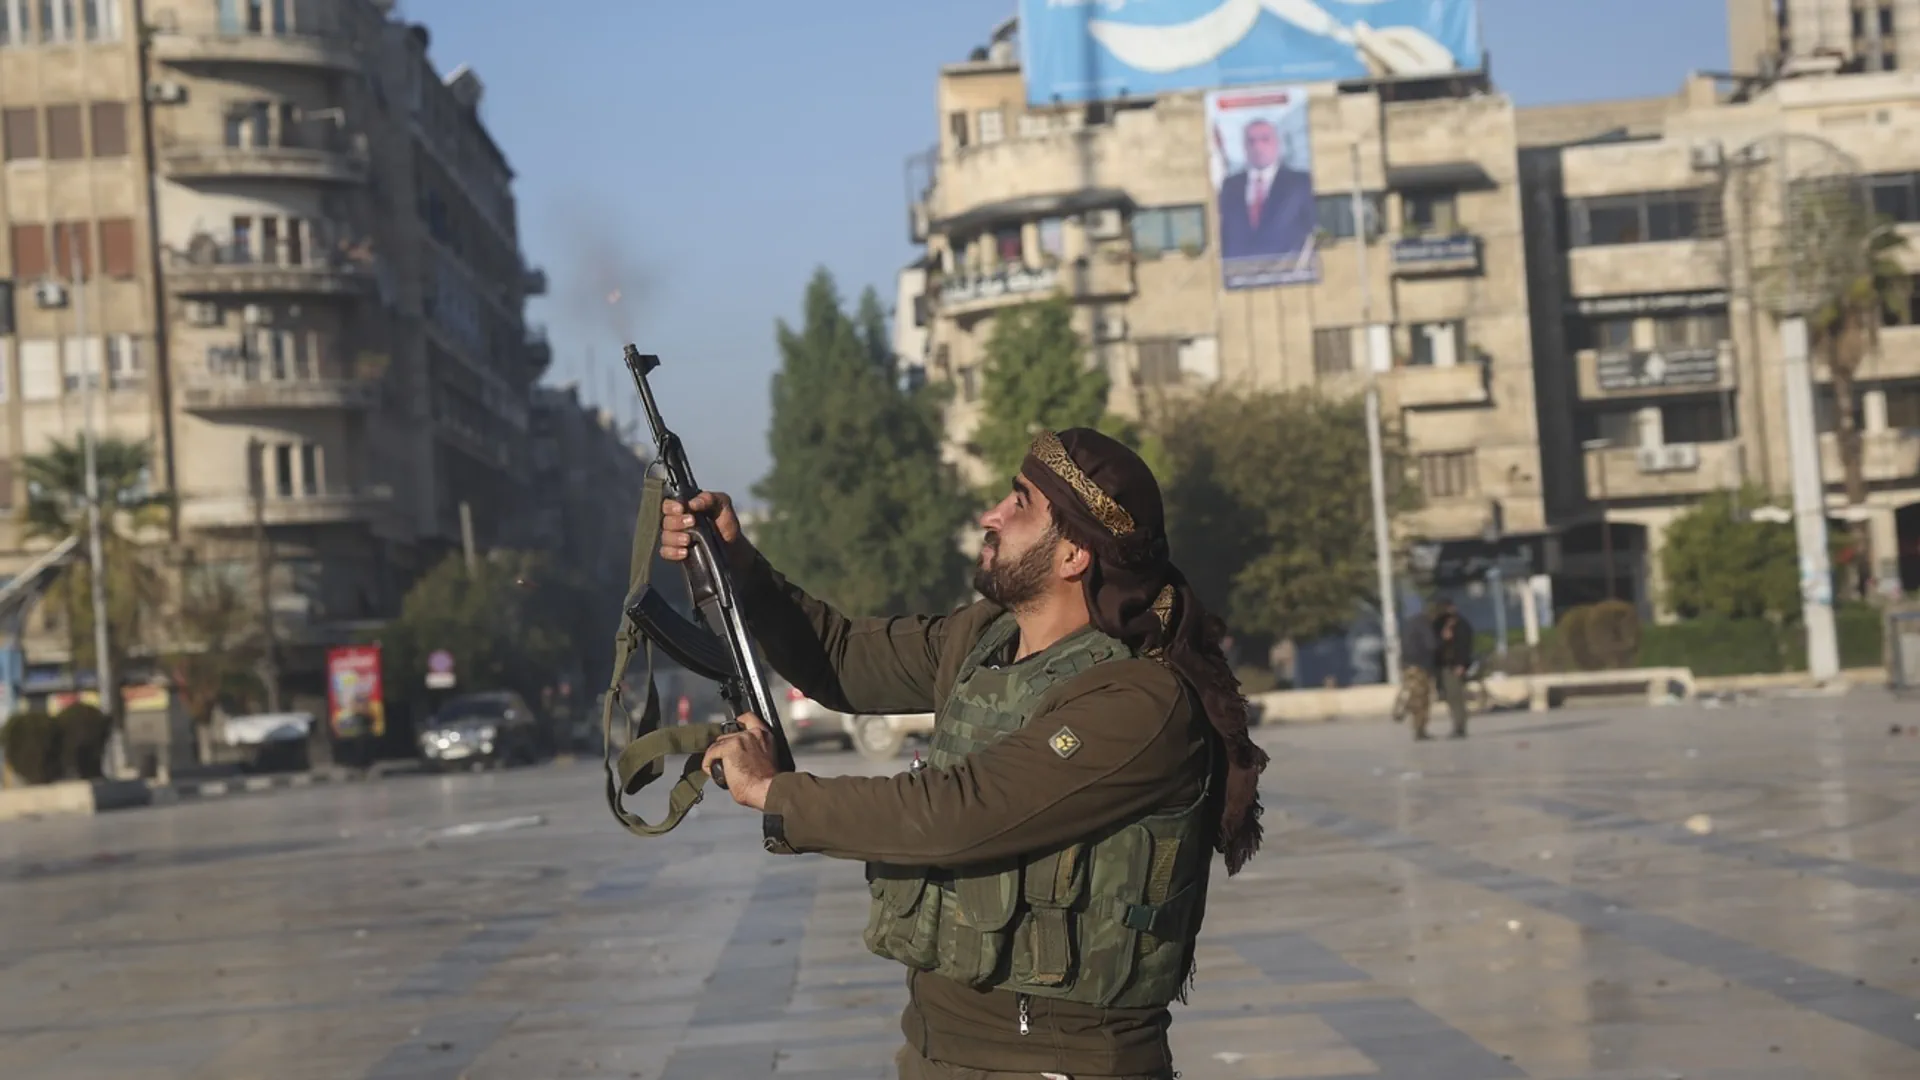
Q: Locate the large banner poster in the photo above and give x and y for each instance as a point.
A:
(1261, 163)
(1093, 50)
(355, 702)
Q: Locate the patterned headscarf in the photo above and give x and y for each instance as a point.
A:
(1108, 502)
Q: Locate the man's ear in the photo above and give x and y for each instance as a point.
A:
(1077, 562)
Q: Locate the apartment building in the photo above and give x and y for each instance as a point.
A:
(1114, 205)
(1767, 36)
(1651, 255)
(310, 280)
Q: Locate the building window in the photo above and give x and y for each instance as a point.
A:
(1648, 217)
(993, 126)
(309, 469)
(1894, 195)
(102, 19)
(29, 245)
(64, 139)
(1053, 242)
(1335, 214)
(40, 371)
(116, 248)
(1159, 360)
(1429, 213)
(6, 371)
(1886, 22)
(1170, 228)
(109, 122)
(1449, 475)
(69, 238)
(1441, 344)
(1703, 421)
(80, 368)
(970, 383)
(124, 369)
(56, 21)
(1691, 331)
(20, 129)
(1903, 406)
(1007, 246)
(283, 469)
(1333, 351)
(13, 23)
(957, 128)
(1620, 427)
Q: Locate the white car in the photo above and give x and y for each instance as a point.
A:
(807, 722)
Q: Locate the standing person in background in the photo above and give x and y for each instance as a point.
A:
(1453, 655)
(1417, 650)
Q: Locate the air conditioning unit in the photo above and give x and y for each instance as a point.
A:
(1110, 327)
(256, 315)
(166, 92)
(1707, 155)
(1103, 224)
(1649, 458)
(50, 294)
(1682, 457)
(201, 313)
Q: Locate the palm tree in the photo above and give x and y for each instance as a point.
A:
(1867, 283)
(57, 508)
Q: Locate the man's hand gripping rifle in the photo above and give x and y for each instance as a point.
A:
(723, 654)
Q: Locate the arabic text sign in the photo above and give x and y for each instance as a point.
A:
(1093, 50)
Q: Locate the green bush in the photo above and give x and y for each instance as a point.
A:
(1716, 645)
(33, 747)
(83, 739)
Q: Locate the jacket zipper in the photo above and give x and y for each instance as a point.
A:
(1024, 1028)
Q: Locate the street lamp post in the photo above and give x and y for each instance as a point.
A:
(96, 548)
(1606, 528)
(1376, 465)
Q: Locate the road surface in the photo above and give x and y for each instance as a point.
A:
(1628, 894)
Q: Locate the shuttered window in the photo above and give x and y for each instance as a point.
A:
(116, 247)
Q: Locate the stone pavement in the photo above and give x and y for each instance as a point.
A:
(1627, 894)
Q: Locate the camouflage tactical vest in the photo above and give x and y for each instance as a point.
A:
(1108, 921)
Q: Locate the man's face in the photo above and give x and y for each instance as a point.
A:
(1263, 145)
(1021, 548)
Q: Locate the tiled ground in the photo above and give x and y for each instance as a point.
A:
(1627, 894)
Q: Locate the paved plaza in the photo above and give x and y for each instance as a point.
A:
(1629, 894)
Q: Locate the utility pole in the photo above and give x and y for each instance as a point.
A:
(466, 534)
(263, 569)
(96, 549)
(1809, 499)
(1376, 466)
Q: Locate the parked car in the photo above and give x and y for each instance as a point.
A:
(489, 729)
(807, 722)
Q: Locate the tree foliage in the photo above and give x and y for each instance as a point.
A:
(862, 511)
(218, 646)
(504, 631)
(1720, 561)
(1036, 376)
(57, 508)
(1269, 506)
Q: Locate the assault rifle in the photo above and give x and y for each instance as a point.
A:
(722, 651)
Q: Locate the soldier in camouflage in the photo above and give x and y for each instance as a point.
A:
(1044, 881)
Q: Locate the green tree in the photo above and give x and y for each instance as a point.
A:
(217, 646)
(860, 508)
(1036, 376)
(56, 508)
(505, 632)
(1719, 560)
(1269, 512)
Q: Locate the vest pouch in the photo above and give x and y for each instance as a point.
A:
(976, 939)
(1053, 886)
(903, 922)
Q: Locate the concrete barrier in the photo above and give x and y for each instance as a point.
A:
(73, 797)
(1320, 705)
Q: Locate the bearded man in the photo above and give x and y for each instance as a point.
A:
(1044, 880)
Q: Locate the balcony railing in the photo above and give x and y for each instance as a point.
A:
(318, 160)
(336, 506)
(1885, 457)
(230, 45)
(1430, 386)
(236, 381)
(209, 268)
(1673, 470)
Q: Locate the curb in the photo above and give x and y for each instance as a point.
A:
(107, 796)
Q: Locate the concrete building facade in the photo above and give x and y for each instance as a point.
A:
(309, 279)
(1114, 206)
(1654, 256)
(1770, 36)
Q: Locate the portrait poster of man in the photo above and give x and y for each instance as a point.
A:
(1262, 169)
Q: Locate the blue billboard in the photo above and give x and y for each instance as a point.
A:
(1093, 50)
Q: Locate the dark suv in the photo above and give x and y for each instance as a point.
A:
(478, 730)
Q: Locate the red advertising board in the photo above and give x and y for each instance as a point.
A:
(355, 703)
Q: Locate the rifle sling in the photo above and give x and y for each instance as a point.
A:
(644, 758)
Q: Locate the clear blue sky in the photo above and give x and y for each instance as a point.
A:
(704, 157)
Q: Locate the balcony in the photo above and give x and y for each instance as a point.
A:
(190, 163)
(1885, 457)
(1674, 266)
(1679, 470)
(1431, 387)
(539, 349)
(331, 508)
(1656, 372)
(1420, 256)
(255, 49)
(1898, 358)
(533, 281)
(210, 394)
(969, 293)
(234, 270)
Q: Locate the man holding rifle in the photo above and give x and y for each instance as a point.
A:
(1045, 879)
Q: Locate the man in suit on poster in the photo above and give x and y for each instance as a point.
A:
(1266, 209)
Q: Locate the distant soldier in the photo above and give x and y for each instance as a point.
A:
(1452, 657)
(1417, 647)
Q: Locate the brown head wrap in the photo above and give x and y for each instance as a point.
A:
(1107, 501)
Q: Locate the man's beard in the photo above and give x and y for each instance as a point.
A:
(1017, 582)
